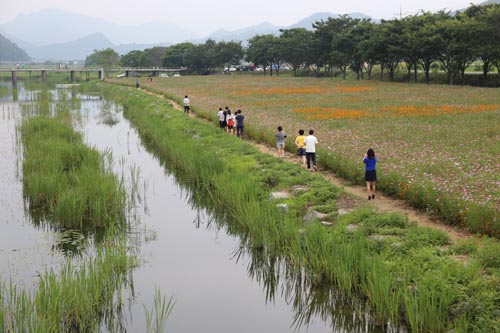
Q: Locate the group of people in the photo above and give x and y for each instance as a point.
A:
(229, 121)
(306, 145)
(306, 150)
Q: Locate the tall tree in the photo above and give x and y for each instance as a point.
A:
(131, 59)
(295, 47)
(259, 50)
(106, 59)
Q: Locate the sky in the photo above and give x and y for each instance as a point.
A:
(204, 16)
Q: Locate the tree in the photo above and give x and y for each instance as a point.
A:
(295, 47)
(153, 57)
(390, 36)
(174, 55)
(106, 59)
(343, 43)
(259, 50)
(131, 59)
(228, 53)
(428, 41)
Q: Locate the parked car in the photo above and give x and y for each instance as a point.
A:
(163, 75)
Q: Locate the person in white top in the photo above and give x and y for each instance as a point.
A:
(186, 104)
(311, 141)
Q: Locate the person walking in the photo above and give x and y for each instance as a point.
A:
(230, 122)
(301, 147)
(240, 127)
(370, 161)
(137, 83)
(280, 142)
(220, 116)
(311, 141)
(186, 104)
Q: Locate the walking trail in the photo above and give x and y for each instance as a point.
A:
(382, 203)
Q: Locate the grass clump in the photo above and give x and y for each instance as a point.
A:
(66, 180)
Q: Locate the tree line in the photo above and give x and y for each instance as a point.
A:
(339, 45)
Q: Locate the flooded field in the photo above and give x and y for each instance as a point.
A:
(216, 284)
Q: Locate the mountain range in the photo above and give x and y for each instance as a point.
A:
(57, 35)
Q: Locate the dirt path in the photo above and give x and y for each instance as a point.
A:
(382, 203)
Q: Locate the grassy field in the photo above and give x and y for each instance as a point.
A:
(437, 145)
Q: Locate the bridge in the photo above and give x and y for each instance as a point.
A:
(128, 71)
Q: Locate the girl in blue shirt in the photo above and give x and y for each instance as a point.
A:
(370, 174)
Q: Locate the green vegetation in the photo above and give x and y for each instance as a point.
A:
(67, 180)
(76, 299)
(404, 272)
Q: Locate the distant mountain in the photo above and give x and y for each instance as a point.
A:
(76, 50)
(51, 26)
(267, 28)
(11, 52)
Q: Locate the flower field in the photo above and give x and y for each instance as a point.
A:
(438, 146)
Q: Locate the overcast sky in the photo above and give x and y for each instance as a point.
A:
(203, 17)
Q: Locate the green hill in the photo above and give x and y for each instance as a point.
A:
(11, 52)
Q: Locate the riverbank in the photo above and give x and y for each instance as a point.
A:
(408, 275)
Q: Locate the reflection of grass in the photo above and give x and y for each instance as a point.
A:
(437, 144)
(398, 267)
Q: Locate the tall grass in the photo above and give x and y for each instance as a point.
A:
(67, 180)
(77, 299)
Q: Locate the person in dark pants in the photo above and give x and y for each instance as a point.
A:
(311, 141)
(240, 125)
(186, 104)
(370, 172)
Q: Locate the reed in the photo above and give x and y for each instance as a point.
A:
(156, 318)
(66, 179)
(74, 299)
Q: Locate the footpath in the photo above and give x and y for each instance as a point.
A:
(382, 203)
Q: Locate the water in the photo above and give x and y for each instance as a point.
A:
(216, 285)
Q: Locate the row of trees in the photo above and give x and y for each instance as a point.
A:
(344, 43)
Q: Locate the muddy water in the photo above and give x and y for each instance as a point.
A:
(216, 285)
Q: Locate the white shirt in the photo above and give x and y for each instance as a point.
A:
(311, 143)
(186, 101)
(220, 114)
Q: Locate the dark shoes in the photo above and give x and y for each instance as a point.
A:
(370, 197)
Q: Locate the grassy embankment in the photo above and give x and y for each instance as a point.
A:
(406, 273)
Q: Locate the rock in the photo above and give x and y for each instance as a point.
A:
(343, 211)
(313, 215)
(278, 195)
(377, 238)
(283, 207)
(351, 228)
(326, 223)
(196, 137)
